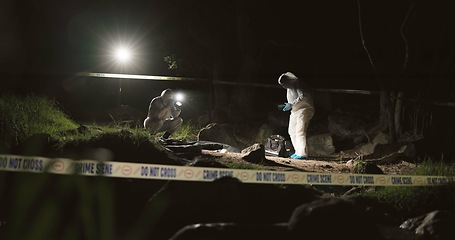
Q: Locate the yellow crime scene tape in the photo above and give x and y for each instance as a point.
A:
(16, 163)
(137, 76)
(245, 84)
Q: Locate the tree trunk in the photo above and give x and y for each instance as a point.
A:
(383, 116)
(398, 113)
(387, 110)
(391, 119)
(243, 98)
(386, 117)
(220, 94)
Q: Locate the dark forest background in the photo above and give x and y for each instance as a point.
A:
(400, 50)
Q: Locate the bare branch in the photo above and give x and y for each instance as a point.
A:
(364, 45)
(403, 31)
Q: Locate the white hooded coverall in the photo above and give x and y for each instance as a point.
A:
(301, 112)
(162, 114)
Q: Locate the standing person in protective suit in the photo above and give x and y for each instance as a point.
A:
(163, 115)
(300, 103)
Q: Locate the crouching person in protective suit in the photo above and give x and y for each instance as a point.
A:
(163, 115)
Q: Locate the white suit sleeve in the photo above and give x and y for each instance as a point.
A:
(301, 100)
(300, 97)
(175, 112)
(158, 111)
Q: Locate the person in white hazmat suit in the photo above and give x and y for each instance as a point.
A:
(300, 103)
(163, 115)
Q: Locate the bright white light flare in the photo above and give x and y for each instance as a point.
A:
(123, 55)
(179, 97)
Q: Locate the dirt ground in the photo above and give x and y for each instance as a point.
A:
(310, 165)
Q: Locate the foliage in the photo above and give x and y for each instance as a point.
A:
(171, 62)
(66, 210)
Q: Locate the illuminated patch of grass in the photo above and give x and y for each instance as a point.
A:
(21, 117)
(95, 131)
(188, 131)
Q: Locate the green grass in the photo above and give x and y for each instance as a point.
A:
(429, 166)
(419, 200)
(188, 131)
(24, 116)
(236, 165)
(21, 117)
(94, 130)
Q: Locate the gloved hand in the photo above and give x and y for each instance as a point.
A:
(287, 107)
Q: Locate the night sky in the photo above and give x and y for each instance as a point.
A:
(318, 40)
